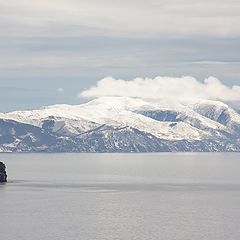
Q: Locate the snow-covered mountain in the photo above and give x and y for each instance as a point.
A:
(118, 124)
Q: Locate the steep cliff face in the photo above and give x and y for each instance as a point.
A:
(3, 174)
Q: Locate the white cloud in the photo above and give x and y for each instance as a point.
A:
(60, 90)
(182, 88)
(145, 18)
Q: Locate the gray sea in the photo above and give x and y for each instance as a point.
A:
(170, 196)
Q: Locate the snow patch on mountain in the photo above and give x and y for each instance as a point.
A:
(210, 124)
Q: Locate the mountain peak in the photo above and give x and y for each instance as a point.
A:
(198, 122)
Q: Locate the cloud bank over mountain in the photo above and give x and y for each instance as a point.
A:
(69, 44)
(176, 88)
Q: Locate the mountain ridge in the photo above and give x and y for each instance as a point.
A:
(122, 124)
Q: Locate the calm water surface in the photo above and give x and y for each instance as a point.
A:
(121, 196)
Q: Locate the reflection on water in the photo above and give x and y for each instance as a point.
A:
(18, 185)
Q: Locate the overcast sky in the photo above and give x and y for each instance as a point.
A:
(53, 50)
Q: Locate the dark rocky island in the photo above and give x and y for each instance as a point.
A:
(3, 174)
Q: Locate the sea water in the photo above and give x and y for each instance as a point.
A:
(175, 196)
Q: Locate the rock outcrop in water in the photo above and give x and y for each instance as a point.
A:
(3, 174)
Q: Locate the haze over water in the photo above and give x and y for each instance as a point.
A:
(121, 196)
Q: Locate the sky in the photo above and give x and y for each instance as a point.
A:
(58, 51)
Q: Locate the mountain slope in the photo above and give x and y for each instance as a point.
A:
(117, 124)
